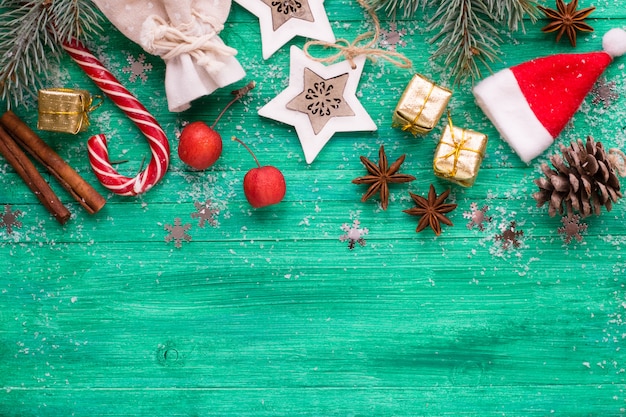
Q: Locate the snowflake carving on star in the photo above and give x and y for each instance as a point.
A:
(604, 91)
(177, 233)
(9, 220)
(284, 10)
(206, 213)
(392, 38)
(322, 99)
(477, 217)
(137, 68)
(287, 7)
(353, 234)
(572, 227)
(510, 236)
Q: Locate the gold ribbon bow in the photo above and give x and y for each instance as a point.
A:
(457, 148)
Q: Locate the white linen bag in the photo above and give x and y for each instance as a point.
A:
(185, 34)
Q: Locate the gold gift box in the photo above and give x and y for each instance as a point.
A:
(421, 106)
(459, 155)
(64, 110)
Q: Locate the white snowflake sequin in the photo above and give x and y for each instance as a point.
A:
(572, 227)
(605, 92)
(354, 234)
(137, 68)
(9, 220)
(177, 233)
(477, 217)
(510, 235)
(392, 38)
(206, 213)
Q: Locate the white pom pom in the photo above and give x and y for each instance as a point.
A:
(614, 42)
(148, 35)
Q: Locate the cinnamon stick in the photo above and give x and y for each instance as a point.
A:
(33, 179)
(80, 189)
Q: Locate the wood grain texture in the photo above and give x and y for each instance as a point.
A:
(268, 313)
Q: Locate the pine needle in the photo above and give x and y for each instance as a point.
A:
(409, 7)
(512, 12)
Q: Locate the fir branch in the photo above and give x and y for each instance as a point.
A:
(468, 32)
(33, 32)
(78, 19)
(511, 13)
(409, 7)
(22, 50)
(464, 37)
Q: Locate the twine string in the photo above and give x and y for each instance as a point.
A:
(360, 46)
(159, 38)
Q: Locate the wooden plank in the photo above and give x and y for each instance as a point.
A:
(269, 313)
(491, 401)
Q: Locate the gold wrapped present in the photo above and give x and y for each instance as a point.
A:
(421, 106)
(459, 155)
(64, 110)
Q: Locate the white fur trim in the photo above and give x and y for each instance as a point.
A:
(614, 42)
(500, 97)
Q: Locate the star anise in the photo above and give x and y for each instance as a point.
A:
(567, 20)
(380, 176)
(432, 210)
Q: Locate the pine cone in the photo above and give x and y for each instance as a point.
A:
(584, 182)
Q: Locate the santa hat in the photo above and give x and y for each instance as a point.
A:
(531, 103)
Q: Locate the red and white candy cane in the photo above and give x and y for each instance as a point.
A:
(97, 145)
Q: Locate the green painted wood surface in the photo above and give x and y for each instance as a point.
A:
(269, 314)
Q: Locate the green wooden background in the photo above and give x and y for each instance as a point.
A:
(268, 313)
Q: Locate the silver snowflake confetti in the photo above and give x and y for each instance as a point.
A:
(178, 233)
(510, 236)
(392, 38)
(604, 91)
(206, 213)
(9, 220)
(477, 217)
(354, 234)
(137, 68)
(572, 227)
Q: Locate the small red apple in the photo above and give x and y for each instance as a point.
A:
(263, 185)
(199, 146)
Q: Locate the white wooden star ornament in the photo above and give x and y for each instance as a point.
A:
(282, 20)
(320, 101)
